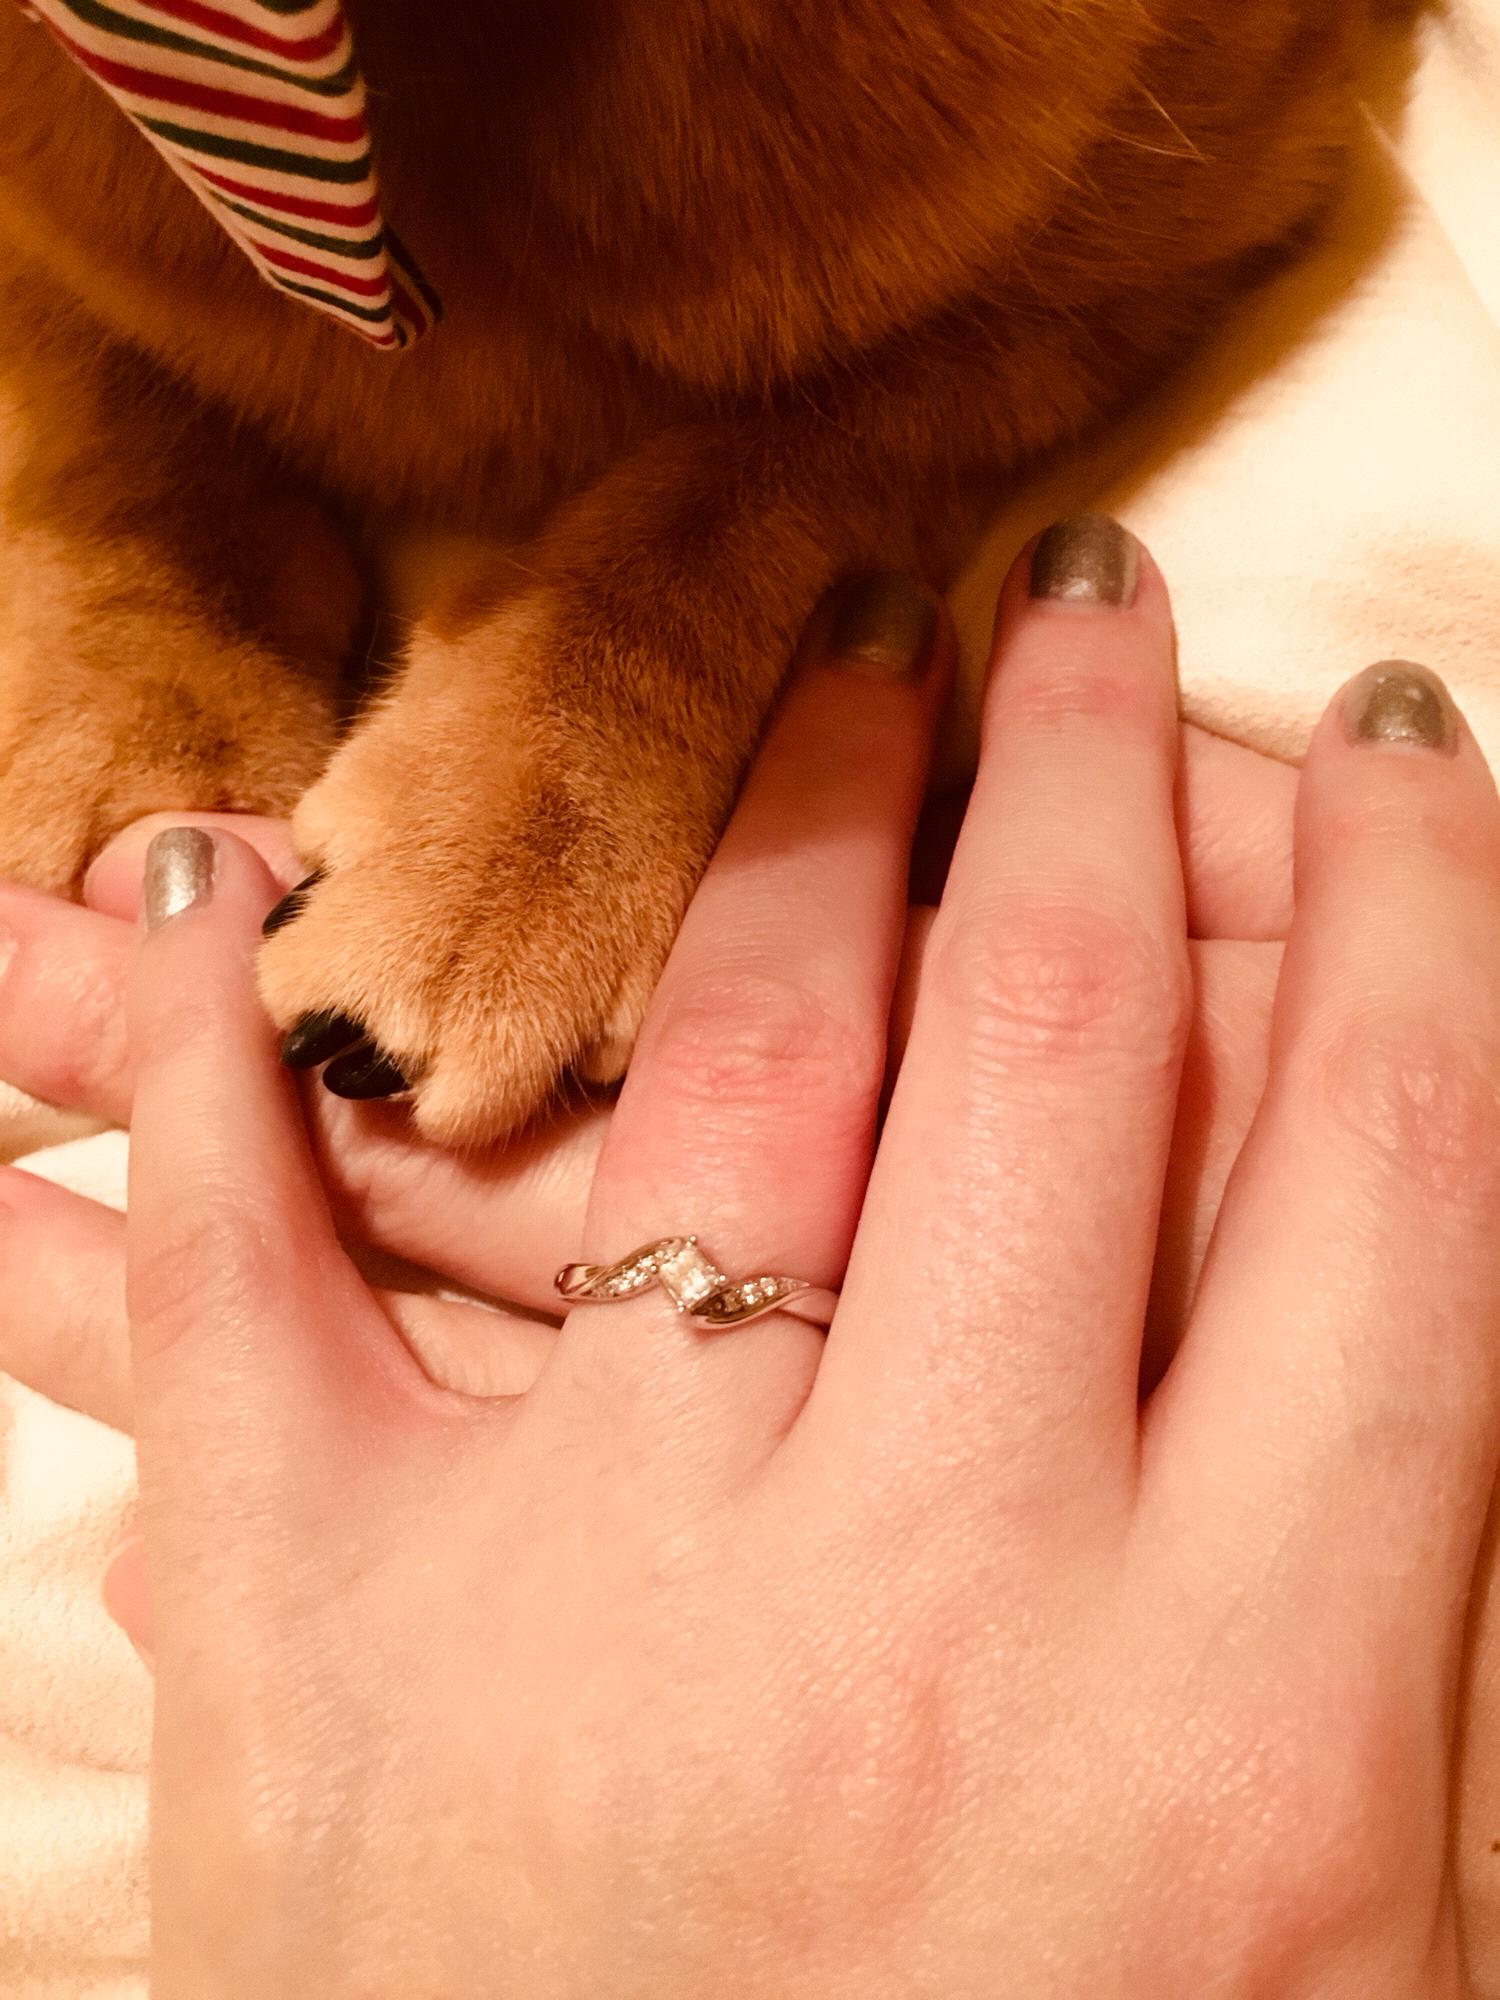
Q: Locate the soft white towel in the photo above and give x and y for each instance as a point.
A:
(1322, 489)
(75, 1703)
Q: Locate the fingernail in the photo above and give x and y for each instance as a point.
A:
(179, 873)
(365, 1072)
(290, 905)
(1396, 701)
(1088, 560)
(316, 1037)
(884, 626)
(126, 1593)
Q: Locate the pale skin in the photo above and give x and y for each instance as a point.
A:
(925, 1660)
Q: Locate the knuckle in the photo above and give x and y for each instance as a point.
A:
(1423, 1102)
(86, 1057)
(1043, 983)
(751, 1039)
(208, 1267)
(1084, 691)
(1426, 1416)
(1317, 1868)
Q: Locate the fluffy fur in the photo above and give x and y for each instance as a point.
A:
(743, 296)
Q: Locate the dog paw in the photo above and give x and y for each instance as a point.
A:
(476, 925)
(84, 759)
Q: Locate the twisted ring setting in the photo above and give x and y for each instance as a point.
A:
(695, 1285)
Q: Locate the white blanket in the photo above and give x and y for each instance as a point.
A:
(1322, 488)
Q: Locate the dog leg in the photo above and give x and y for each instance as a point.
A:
(173, 612)
(505, 846)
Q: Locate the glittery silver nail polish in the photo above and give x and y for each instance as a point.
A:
(179, 873)
(1088, 560)
(884, 626)
(1396, 701)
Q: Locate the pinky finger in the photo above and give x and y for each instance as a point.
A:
(62, 1297)
(63, 1330)
(126, 1591)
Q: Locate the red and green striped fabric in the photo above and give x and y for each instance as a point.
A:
(259, 105)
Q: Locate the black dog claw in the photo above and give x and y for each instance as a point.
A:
(317, 1037)
(365, 1071)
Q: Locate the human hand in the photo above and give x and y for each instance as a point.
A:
(501, 1222)
(917, 1661)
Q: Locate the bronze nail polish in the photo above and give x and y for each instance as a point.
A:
(179, 873)
(1397, 701)
(1090, 559)
(884, 626)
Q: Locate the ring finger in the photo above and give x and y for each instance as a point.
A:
(748, 1116)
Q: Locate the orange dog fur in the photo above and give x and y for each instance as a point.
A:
(743, 297)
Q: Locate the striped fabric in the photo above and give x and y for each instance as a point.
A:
(259, 106)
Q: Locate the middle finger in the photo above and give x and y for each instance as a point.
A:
(996, 1296)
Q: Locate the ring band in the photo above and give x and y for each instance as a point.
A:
(695, 1285)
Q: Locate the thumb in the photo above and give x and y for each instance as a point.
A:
(251, 1334)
